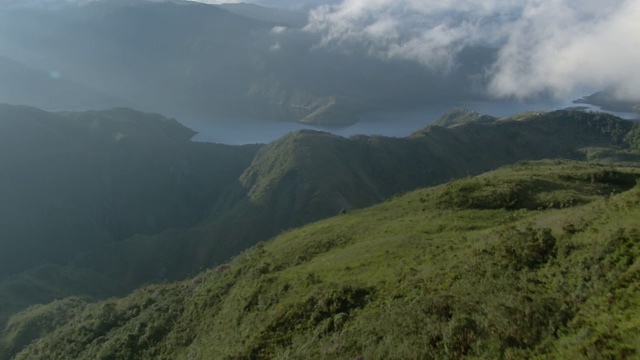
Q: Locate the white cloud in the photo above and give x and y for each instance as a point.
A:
(275, 47)
(560, 48)
(278, 29)
(545, 46)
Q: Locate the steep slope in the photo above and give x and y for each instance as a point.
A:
(73, 181)
(125, 196)
(308, 175)
(539, 259)
(45, 283)
(318, 174)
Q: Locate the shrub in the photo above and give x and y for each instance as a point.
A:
(528, 248)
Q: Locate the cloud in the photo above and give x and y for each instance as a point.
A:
(544, 46)
(278, 29)
(429, 31)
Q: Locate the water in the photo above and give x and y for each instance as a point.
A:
(387, 123)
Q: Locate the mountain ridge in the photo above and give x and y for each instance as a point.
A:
(236, 196)
(288, 185)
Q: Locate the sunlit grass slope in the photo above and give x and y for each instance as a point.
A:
(539, 259)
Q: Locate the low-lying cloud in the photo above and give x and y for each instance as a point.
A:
(553, 47)
(557, 47)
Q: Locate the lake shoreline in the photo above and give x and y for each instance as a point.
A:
(384, 123)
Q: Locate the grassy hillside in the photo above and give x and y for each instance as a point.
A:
(128, 199)
(539, 259)
(45, 283)
(309, 175)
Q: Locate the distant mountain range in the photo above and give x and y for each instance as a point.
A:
(22, 84)
(206, 61)
(608, 100)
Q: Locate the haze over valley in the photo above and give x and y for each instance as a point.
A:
(319, 64)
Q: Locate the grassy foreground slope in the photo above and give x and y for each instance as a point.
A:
(539, 259)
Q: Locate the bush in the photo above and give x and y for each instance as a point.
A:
(528, 248)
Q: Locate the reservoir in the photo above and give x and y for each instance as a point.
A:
(386, 123)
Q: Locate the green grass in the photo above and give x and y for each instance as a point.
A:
(548, 268)
(130, 198)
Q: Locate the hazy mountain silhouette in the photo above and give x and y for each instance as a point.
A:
(21, 84)
(206, 61)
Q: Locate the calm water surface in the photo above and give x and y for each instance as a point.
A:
(387, 123)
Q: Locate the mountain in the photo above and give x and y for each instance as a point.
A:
(538, 259)
(217, 62)
(608, 100)
(21, 84)
(308, 175)
(72, 181)
(123, 198)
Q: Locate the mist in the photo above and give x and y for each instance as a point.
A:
(544, 47)
(323, 62)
